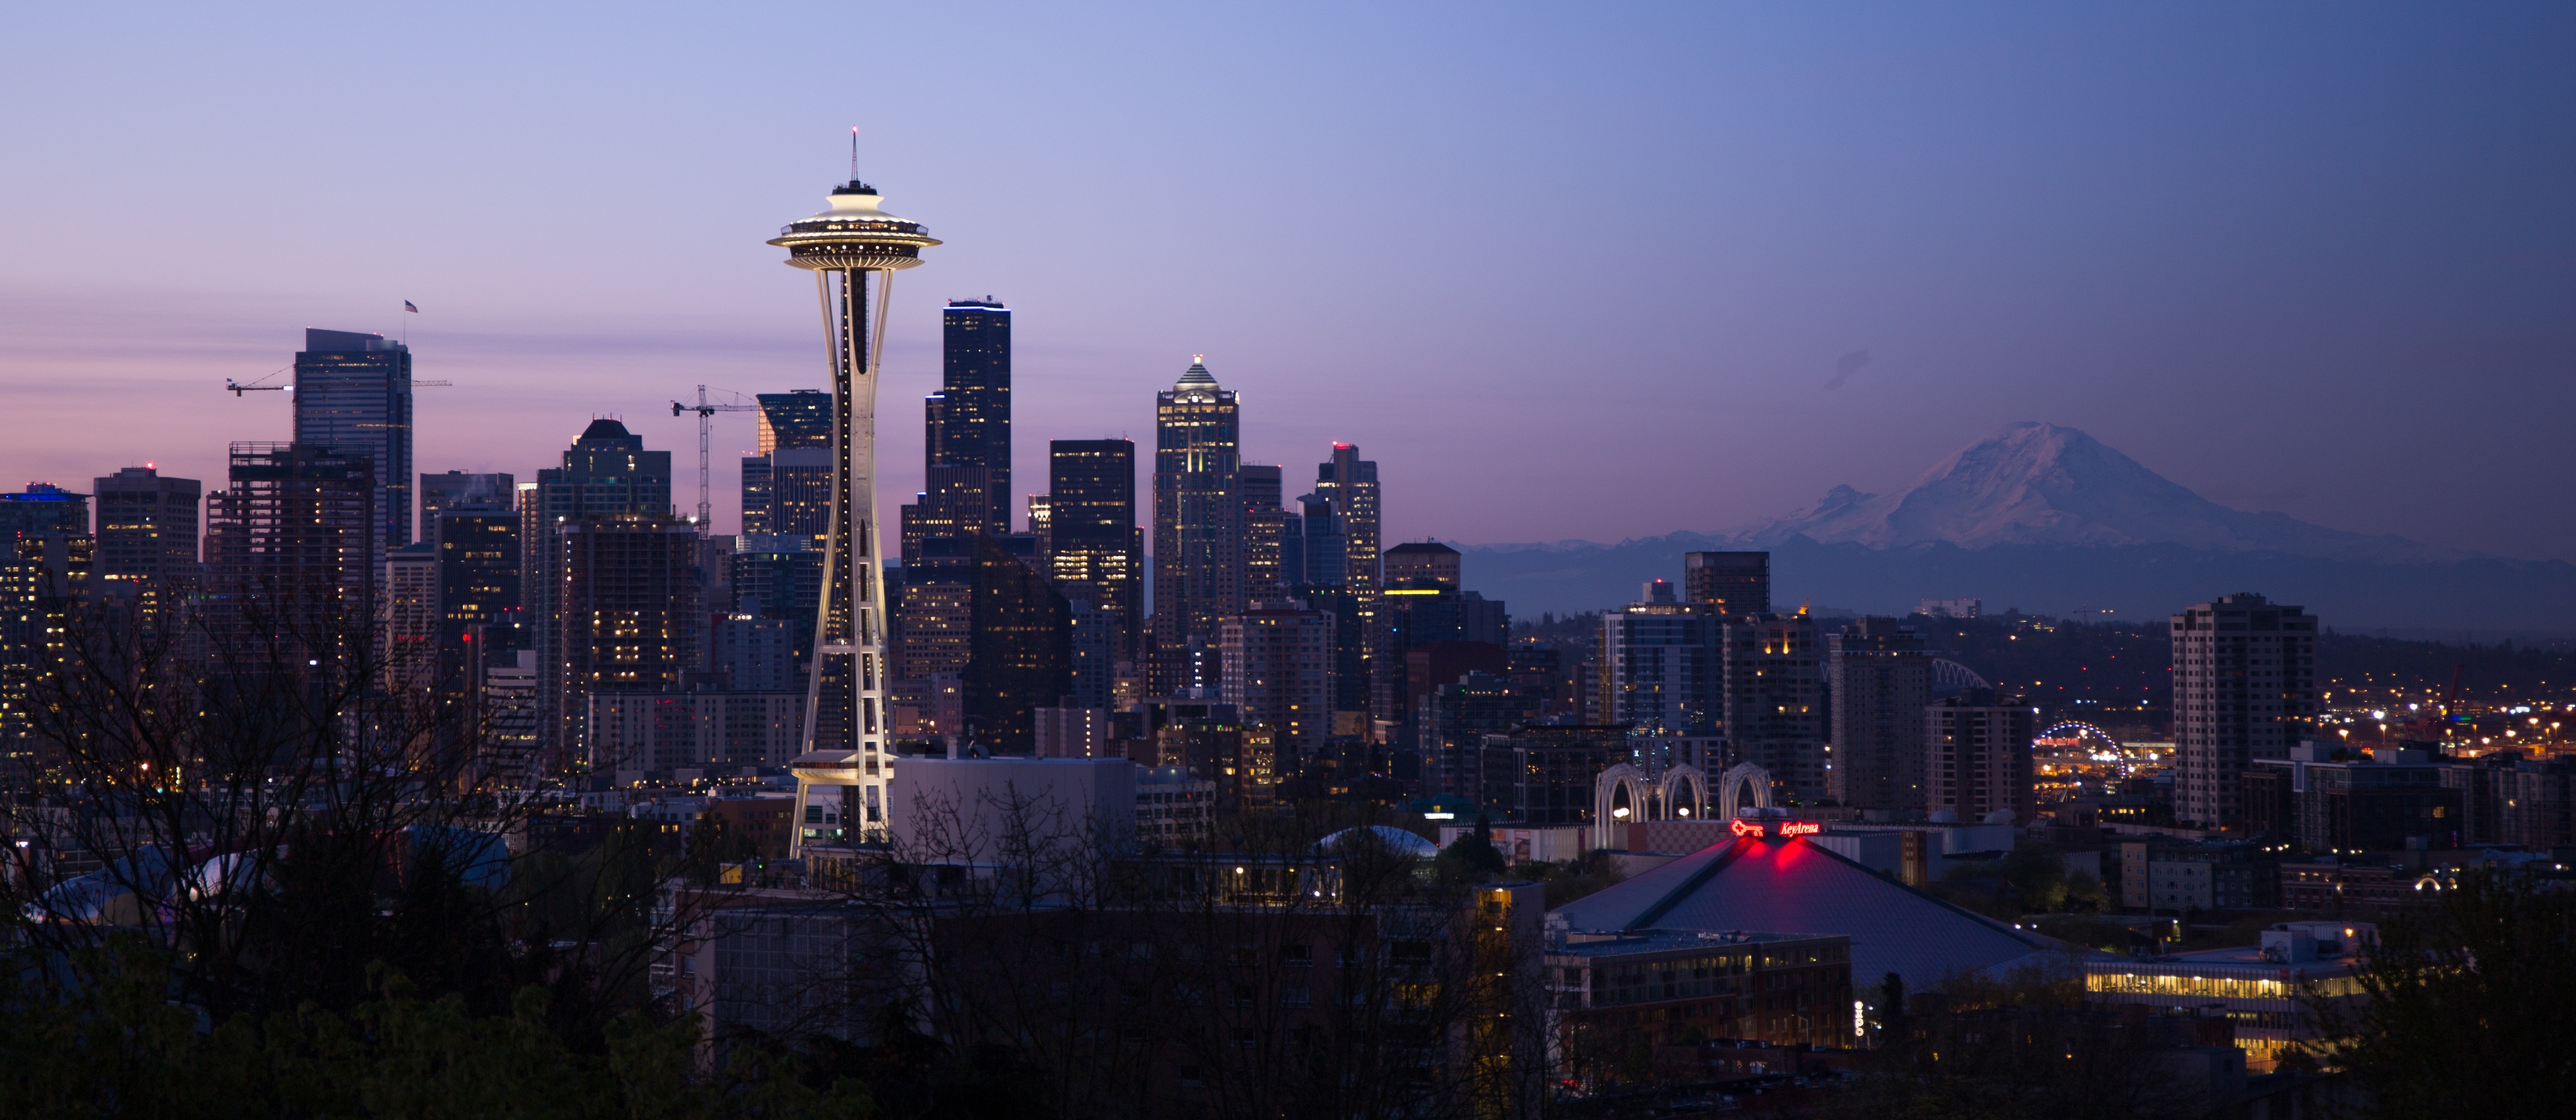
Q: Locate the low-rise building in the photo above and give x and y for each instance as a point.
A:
(2263, 989)
(1608, 993)
(1173, 807)
(2205, 875)
(2393, 801)
(2335, 887)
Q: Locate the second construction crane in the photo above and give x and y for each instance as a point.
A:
(706, 410)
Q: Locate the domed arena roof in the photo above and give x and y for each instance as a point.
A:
(1394, 839)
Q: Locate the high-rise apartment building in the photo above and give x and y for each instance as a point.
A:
(147, 528)
(463, 491)
(955, 507)
(2245, 687)
(798, 481)
(778, 578)
(787, 487)
(606, 474)
(1278, 672)
(43, 508)
(1736, 582)
(292, 544)
(478, 569)
(802, 418)
(1198, 530)
(756, 654)
(1264, 525)
(1042, 526)
(1773, 714)
(1881, 681)
(45, 562)
(1350, 484)
(627, 618)
(408, 622)
(1021, 649)
(1421, 564)
(935, 617)
(1322, 545)
(1094, 646)
(353, 396)
(1094, 547)
(1977, 756)
(973, 418)
(1661, 667)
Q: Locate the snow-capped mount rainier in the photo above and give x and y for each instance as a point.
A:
(2048, 519)
(2047, 484)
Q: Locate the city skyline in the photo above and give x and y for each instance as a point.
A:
(1877, 228)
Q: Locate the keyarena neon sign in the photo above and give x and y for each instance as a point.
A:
(1786, 829)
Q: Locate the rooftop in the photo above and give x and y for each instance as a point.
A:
(1792, 884)
(1580, 944)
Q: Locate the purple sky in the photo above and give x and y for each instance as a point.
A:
(1564, 271)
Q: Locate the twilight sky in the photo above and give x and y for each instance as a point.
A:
(1563, 271)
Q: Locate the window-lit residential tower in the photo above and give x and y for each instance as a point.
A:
(1094, 549)
(2245, 687)
(147, 526)
(846, 722)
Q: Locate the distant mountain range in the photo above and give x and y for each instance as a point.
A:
(2049, 519)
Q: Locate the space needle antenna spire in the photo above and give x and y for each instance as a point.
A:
(847, 760)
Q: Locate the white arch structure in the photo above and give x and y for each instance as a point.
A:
(1626, 793)
(1738, 780)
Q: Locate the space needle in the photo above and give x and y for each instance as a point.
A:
(847, 723)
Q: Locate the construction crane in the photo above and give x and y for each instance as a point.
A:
(237, 389)
(706, 411)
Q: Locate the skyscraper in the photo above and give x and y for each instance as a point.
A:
(479, 567)
(1661, 667)
(1422, 564)
(974, 415)
(794, 467)
(2245, 687)
(1093, 540)
(605, 473)
(45, 563)
(462, 491)
(1278, 673)
(353, 396)
(1736, 582)
(1774, 706)
(1881, 681)
(799, 419)
(779, 578)
(1022, 649)
(1264, 523)
(846, 722)
(1198, 529)
(1350, 483)
(147, 527)
(628, 618)
(1977, 756)
(408, 621)
(291, 544)
(1324, 544)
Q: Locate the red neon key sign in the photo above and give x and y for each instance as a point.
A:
(1787, 828)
